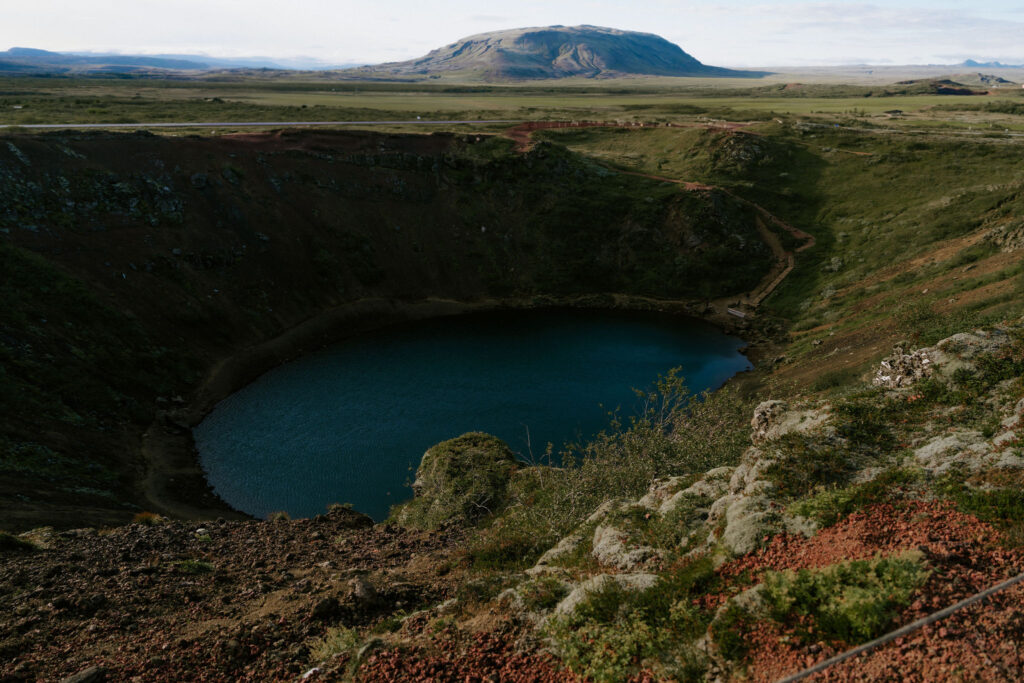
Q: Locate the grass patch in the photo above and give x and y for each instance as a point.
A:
(830, 506)
(614, 631)
(801, 465)
(194, 567)
(998, 505)
(148, 519)
(336, 640)
(543, 593)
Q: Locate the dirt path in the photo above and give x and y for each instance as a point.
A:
(522, 134)
(785, 261)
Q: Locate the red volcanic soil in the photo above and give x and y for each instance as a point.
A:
(486, 657)
(965, 557)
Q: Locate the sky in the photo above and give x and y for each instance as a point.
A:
(724, 33)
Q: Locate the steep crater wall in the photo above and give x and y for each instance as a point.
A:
(134, 267)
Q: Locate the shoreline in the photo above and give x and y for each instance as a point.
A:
(175, 483)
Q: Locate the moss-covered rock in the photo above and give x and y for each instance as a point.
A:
(462, 481)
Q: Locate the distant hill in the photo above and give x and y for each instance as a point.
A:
(26, 60)
(29, 60)
(555, 52)
(990, 65)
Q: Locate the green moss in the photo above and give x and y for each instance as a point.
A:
(614, 631)
(194, 567)
(462, 480)
(543, 593)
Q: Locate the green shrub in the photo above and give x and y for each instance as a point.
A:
(606, 652)
(194, 567)
(148, 519)
(989, 505)
(336, 641)
(729, 632)
(830, 506)
(543, 593)
(614, 631)
(802, 465)
(279, 516)
(851, 601)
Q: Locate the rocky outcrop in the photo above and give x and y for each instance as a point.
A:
(1008, 237)
(459, 481)
(602, 582)
(774, 419)
(903, 369)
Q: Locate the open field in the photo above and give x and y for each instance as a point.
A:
(44, 101)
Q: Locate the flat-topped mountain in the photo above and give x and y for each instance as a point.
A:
(558, 52)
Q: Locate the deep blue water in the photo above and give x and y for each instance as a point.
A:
(350, 423)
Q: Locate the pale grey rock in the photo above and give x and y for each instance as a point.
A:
(612, 549)
(1005, 439)
(903, 369)
(627, 582)
(747, 521)
(661, 490)
(1015, 418)
(943, 452)
(565, 546)
(773, 420)
(766, 414)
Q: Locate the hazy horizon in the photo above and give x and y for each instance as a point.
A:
(731, 33)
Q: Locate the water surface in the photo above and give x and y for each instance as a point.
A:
(350, 423)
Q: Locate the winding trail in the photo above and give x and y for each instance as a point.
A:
(738, 306)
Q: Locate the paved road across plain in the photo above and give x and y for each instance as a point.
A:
(245, 124)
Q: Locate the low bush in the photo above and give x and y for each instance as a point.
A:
(148, 519)
(337, 640)
(194, 567)
(614, 631)
(850, 602)
(832, 505)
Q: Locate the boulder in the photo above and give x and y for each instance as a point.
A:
(94, 674)
(775, 419)
(596, 584)
(459, 481)
(612, 548)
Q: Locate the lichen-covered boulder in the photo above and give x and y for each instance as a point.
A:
(774, 419)
(625, 582)
(460, 481)
(959, 352)
(903, 369)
